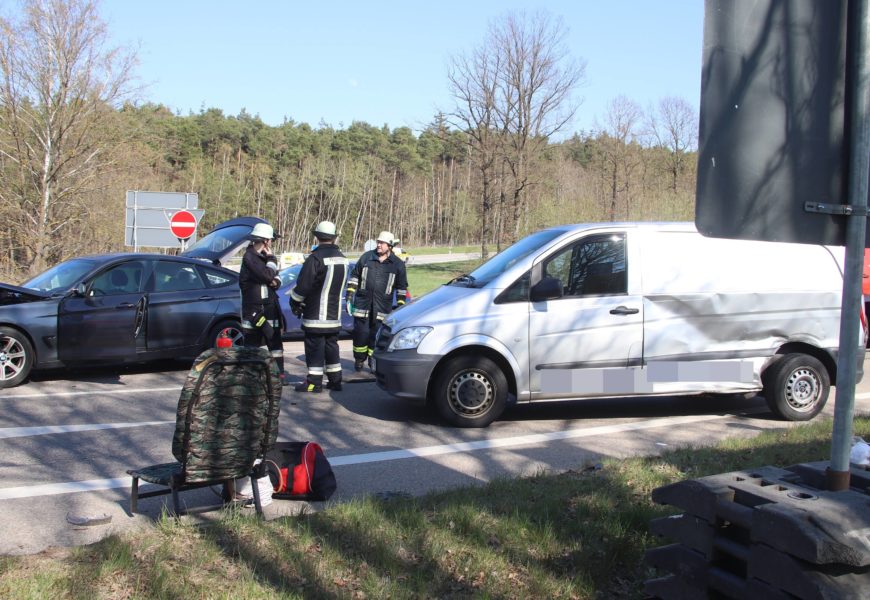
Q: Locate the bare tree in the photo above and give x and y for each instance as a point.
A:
(513, 93)
(619, 150)
(674, 127)
(535, 95)
(59, 88)
(473, 81)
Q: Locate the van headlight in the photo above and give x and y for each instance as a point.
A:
(408, 338)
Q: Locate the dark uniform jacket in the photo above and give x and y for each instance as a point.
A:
(254, 279)
(319, 287)
(373, 282)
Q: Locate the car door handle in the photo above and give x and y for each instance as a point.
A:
(125, 305)
(206, 298)
(624, 310)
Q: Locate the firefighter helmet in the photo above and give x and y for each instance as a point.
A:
(262, 231)
(387, 238)
(325, 230)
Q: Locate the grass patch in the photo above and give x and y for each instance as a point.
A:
(580, 534)
(425, 278)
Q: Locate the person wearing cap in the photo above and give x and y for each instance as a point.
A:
(258, 281)
(316, 299)
(377, 276)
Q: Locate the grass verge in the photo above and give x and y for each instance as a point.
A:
(579, 534)
(425, 278)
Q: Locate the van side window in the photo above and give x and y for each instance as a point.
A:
(592, 267)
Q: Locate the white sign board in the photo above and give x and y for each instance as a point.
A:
(148, 215)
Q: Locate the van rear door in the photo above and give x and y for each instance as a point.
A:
(589, 342)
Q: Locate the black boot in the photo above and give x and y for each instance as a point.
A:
(358, 364)
(334, 385)
(307, 386)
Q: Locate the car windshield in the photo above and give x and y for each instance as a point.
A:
(62, 277)
(504, 260)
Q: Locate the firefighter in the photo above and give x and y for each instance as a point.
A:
(258, 281)
(316, 299)
(378, 274)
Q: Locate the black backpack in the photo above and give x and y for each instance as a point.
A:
(300, 471)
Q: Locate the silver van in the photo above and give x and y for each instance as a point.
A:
(622, 309)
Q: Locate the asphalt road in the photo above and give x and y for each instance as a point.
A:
(67, 439)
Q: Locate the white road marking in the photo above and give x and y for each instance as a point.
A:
(91, 393)
(521, 440)
(49, 489)
(11, 432)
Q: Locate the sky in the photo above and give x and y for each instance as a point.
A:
(386, 62)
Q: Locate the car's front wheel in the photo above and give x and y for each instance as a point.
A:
(796, 387)
(470, 391)
(16, 357)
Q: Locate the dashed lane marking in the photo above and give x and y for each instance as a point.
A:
(11, 432)
(90, 393)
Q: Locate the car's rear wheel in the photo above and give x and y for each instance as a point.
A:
(231, 329)
(16, 357)
(796, 387)
(470, 391)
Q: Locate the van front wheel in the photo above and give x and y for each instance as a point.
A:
(470, 391)
(796, 387)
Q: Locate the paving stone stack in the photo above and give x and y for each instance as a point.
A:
(764, 533)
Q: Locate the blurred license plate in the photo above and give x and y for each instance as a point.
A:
(374, 365)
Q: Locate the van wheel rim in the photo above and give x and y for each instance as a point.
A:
(470, 393)
(12, 357)
(802, 390)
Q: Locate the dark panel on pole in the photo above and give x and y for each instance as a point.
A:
(771, 132)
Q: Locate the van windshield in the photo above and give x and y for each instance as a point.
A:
(507, 258)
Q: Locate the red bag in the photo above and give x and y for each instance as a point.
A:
(300, 471)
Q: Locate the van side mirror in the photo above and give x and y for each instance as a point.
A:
(548, 288)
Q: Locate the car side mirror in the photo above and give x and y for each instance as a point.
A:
(78, 291)
(548, 288)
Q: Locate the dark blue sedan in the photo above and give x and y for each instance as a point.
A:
(293, 324)
(119, 308)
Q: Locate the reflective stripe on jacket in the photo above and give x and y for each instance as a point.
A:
(319, 288)
(373, 282)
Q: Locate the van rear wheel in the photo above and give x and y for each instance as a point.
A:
(470, 391)
(796, 387)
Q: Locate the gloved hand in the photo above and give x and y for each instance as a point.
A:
(296, 307)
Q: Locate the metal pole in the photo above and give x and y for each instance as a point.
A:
(857, 31)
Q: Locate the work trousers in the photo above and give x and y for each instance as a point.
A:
(364, 331)
(321, 356)
(255, 338)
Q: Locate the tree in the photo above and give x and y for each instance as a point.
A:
(674, 127)
(60, 87)
(514, 93)
(619, 150)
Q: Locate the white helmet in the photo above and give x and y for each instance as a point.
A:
(325, 230)
(387, 237)
(262, 231)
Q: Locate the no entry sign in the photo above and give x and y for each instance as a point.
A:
(182, 224)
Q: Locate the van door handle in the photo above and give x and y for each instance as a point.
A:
(624, 310)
